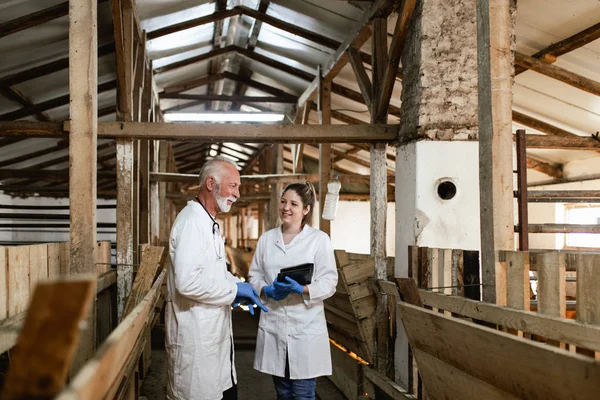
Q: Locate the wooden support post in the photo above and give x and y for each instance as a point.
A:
(276, 159)
(164, 227)
(494, 32)
(588, 287)
(123, 21)
(325, 165)
(83, 83)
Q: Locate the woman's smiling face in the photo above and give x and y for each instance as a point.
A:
(291, 209)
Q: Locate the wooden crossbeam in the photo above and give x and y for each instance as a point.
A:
(558, 73)
(220, 97)
(15, 95)
(553, 170)
(567, 45)
(572, 143)
(42, 358)
(541, 126)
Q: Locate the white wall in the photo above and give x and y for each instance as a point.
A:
(48, 235)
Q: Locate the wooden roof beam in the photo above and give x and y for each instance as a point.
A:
(245, 99)
(359, 35)
(35, 18)
(15, 95)
(539, 125)
(573, 143)
(558, 73)
(550, 53)
(553, 170)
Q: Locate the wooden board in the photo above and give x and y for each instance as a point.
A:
(98, 377)
(40, 361)
(18, 279)
(38, 264)
(153, 259)
(551, 272)
(54, 254)
(3, 284)
(359, 271)
(522, 368)
(346, 374)
(103, 257)
(551, 327)
(443, 381)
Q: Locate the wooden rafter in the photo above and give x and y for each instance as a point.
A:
(567, 45)
(541, 126)
(558, 73)
(363, 80)
(391, 70)
(15, 95)
(50, 104)
(553, 170)
(220, 97)
(359, 35)
(572, 143)
(36, 18)
(46, 69)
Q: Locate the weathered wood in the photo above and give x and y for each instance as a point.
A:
(346, 373)
(99, 377)
(391, 69)
(38, 265)
(564, 228)
(495, 146)
(358, 272)
(220, 97)
(552, 170)
(507, 362)
(555, 328)
(325, 165)
(363, 80)
(153, 259)
(125, 221)
(572, 143)
(567, 45)
(444, 381)
(561, 74)
(522, 205)
(17, 275)
(3, 284)
(388, 386)
(40, 361)
(588, 287)
(538, 125)
(517, 280)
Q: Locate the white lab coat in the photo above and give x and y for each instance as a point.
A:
(297, 323)
(199, 340)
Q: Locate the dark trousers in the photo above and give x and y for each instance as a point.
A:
(231, 393)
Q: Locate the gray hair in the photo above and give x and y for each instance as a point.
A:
(213, 168)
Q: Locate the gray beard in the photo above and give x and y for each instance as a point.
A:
(222, 203)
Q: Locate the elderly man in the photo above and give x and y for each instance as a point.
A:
(199, 338)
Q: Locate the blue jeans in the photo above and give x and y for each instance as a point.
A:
(295, 389)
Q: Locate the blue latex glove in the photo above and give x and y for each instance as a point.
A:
(245, 292)
(277, 291)
(291, 285)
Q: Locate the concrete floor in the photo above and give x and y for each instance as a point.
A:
(252, 385)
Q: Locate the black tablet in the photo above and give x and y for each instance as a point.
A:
(300, 273)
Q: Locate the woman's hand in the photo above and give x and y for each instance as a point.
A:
(291, 285)
(276, 291)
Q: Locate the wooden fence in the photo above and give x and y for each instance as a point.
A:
(445, 345)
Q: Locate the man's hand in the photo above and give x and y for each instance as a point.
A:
(245, 292)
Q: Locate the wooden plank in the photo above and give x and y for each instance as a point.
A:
(517, 277)
(103, 257)
(358, 272)
(588, 287)
(378, 190)
(98, 376)
(9, 330)
(495, 145)
(388, 386)
(458, 277)
(443, 381)
(541, 126)
(363, 80)
(346, 373)
(364, 307)
(3, 284)
(556, 328)
(551, 271)
(53, 260)
(522, 205)
(360, 290)
(522, 368)
(38, 264)
(570, 143)
(40, 361)
(342, 321)
(65, 258)
(409, 291)
(18, 279)
(153, 259)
